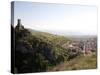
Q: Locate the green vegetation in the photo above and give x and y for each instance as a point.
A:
(50, 38)
(39, 52)
(36, 51)
(78, 63)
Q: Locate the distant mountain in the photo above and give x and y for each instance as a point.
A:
(68, 33)
(82, 37)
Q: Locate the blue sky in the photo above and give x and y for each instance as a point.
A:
(57, 18)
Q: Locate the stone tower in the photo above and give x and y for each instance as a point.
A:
(19, 25)
(19, 22)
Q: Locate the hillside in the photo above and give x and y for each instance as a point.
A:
(37, 51)
(56, 41)
(79, 63)
(50, 38)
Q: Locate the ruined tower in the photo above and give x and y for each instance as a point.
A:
(19, 25)
(19, 22)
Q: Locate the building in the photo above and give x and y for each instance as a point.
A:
(19, 25)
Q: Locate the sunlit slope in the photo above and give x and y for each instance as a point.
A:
(50, 38)
(78, 63)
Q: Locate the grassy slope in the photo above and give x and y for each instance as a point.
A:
(55, 40)
(78, 63)
(50, 38)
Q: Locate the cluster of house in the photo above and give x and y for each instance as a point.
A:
(90, 46)
(86, 47)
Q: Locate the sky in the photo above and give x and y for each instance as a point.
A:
(60, 19)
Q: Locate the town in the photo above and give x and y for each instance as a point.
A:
(85, 46)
